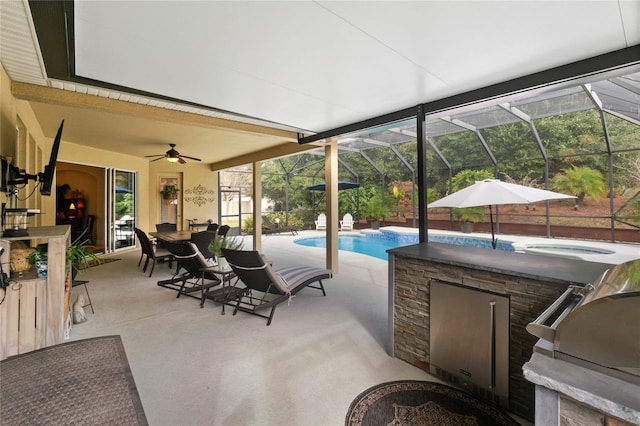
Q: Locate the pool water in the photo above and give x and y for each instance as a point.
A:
(377, 247)
(369, 246)
(376, 243)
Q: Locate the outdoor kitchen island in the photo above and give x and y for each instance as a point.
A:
(460, 313)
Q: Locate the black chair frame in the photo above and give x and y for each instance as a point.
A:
(269, 228)
(258, 276)
(152, 253)
(202, 240)
(197, 271)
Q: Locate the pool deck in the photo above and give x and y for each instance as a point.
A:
(615, 253)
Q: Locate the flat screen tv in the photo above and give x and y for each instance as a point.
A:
(46, 177)
(4, 185)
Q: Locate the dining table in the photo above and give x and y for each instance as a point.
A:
(172, 236)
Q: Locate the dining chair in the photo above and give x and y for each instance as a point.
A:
(152, 251)
(166, 226)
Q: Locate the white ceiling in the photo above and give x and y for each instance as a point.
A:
(318, 65)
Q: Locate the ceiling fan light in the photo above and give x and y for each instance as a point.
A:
(173, 159)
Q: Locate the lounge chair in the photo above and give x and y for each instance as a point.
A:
(274, 286)
(321, 222)
(346, 224)
(202, 240)
(198, 275)
(269, 228)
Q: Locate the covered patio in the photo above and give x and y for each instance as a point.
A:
(194, 366)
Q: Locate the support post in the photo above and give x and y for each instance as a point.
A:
(257, 206)
(422, 175)
(331, 193)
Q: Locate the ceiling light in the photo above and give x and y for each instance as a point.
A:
(172, 159)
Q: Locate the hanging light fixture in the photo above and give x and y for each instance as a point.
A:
(173, 156)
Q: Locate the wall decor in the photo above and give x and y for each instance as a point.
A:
(199, 195)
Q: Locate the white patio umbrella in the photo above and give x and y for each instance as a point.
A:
(491, 192)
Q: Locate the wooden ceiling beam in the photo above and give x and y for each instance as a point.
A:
(283, 150)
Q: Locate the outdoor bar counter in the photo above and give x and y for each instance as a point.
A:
(527, 283)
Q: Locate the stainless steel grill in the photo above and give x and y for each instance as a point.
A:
(599, 324)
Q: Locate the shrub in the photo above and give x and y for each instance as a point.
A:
(580, 181)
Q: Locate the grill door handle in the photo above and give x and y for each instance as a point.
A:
(492, 343)
(545, 332)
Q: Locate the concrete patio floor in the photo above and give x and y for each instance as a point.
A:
(194, 366)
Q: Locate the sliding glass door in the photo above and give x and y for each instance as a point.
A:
(121, 208)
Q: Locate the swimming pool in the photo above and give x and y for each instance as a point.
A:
(354, 243)
(565, 250)
(377, 244)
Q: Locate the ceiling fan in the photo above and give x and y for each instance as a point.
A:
(173, 156)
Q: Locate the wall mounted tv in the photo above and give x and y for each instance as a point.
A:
(15, 176)
(4, 179)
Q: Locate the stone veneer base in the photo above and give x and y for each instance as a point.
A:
(528, 298)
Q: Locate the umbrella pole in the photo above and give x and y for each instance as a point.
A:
(494, 242)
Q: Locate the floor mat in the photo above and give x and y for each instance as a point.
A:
(419, 403)
(82, 382)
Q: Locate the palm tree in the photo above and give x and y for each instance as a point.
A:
(580, 181)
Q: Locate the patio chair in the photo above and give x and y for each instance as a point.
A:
(269, 228)
(166, 226)
(223, 230)
(152, 251)
(321, 222)
(274, 286)
(198, 275)
(346, 224)
(202, 240)
(89, 230)
(213, 227)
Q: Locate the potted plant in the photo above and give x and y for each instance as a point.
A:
(376, 209)
(39, 258)
(169, 192)
(232, 242)
(468, 216)
(78, 256)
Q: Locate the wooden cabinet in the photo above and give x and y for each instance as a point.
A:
(35, 310)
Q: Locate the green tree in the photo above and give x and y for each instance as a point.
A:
(124, 204)
(468, 177)
(580, 181)
(462, 180)
(375, 204)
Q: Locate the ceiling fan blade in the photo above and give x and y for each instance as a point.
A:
(191, 158)
(157, 155)
(159, 158)
(181, 161)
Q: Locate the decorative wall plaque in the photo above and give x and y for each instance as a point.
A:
(199, 195)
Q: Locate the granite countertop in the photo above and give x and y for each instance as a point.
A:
(605, 393)
(540, 267)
